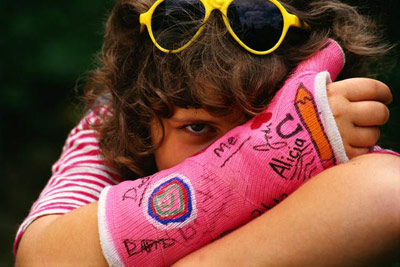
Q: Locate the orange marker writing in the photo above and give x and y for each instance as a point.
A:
(307, 111)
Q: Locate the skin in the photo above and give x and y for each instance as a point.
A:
(351, 220)
(358, 106)
(187, 132)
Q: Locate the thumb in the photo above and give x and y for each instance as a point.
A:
(329, 58)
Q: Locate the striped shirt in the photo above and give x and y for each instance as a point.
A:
(78, 177)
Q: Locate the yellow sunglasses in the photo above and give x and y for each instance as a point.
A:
(259, 26)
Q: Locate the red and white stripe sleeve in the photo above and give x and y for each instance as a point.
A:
(78, 177)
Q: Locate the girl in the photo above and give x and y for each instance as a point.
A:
(160, 118)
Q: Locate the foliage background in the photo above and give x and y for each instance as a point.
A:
(46, 48)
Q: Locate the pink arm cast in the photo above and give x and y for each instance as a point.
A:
(159, 219)
(80, 174)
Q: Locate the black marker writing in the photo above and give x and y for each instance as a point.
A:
(287, 119)
(145, 182)
(222, 146)
(282, 164)
(130, 194)
(188, 233)
(207, 195)
(221, 235)
(268, 146)
(266, 208)
(135, 247)
(236, 151)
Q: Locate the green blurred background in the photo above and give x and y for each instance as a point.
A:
(47, 47)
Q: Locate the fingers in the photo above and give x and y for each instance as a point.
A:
(358, 106)
(361, 140)
(353, 152)
(364, 137)
(362, 89)
(369, 113)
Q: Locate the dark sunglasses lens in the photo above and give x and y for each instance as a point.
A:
(257, 23)
(175, 22)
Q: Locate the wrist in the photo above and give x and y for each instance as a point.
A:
(327, 118)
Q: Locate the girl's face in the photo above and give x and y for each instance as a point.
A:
(187, 132)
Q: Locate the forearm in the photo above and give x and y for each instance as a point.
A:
(178, 210)
(69, 240)
(349, 214)
(333, 218)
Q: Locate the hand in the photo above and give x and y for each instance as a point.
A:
(359, 107)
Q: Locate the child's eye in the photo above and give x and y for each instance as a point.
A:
(198, 128)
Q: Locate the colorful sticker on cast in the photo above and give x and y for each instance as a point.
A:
(171, 202)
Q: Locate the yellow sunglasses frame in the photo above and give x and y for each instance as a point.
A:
(289, 20)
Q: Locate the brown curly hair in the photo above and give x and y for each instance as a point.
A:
(141, 83)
